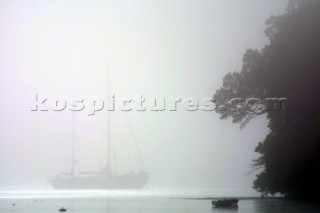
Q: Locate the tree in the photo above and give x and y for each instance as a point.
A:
(289, 67)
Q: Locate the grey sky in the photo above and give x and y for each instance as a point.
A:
(155, 48)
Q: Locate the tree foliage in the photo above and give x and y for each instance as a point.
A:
(289, 66)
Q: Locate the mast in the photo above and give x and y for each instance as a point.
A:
(108, 130)
(108, 138)
(73, 143)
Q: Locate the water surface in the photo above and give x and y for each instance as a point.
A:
(141, 205)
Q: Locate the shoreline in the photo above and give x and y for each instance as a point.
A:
(240, 198)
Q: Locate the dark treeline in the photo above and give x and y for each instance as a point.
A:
(289, 66)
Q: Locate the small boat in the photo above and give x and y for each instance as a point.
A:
(225, 203)
(62, 210)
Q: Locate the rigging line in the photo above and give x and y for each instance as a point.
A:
(115, 161)
(125, 144)
(136, 143)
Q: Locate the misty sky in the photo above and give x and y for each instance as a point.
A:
(155, 48)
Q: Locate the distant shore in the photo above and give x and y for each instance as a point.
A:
(240, 198)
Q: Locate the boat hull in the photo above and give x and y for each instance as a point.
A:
(119, 182)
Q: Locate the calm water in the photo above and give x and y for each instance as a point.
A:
(146, 205)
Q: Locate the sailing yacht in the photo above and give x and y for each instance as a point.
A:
(106, 178)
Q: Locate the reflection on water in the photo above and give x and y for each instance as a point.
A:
(277, 206)
(141, 205)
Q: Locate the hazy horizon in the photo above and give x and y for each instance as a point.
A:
(156, 49)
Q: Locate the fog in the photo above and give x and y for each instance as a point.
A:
(158, 49)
